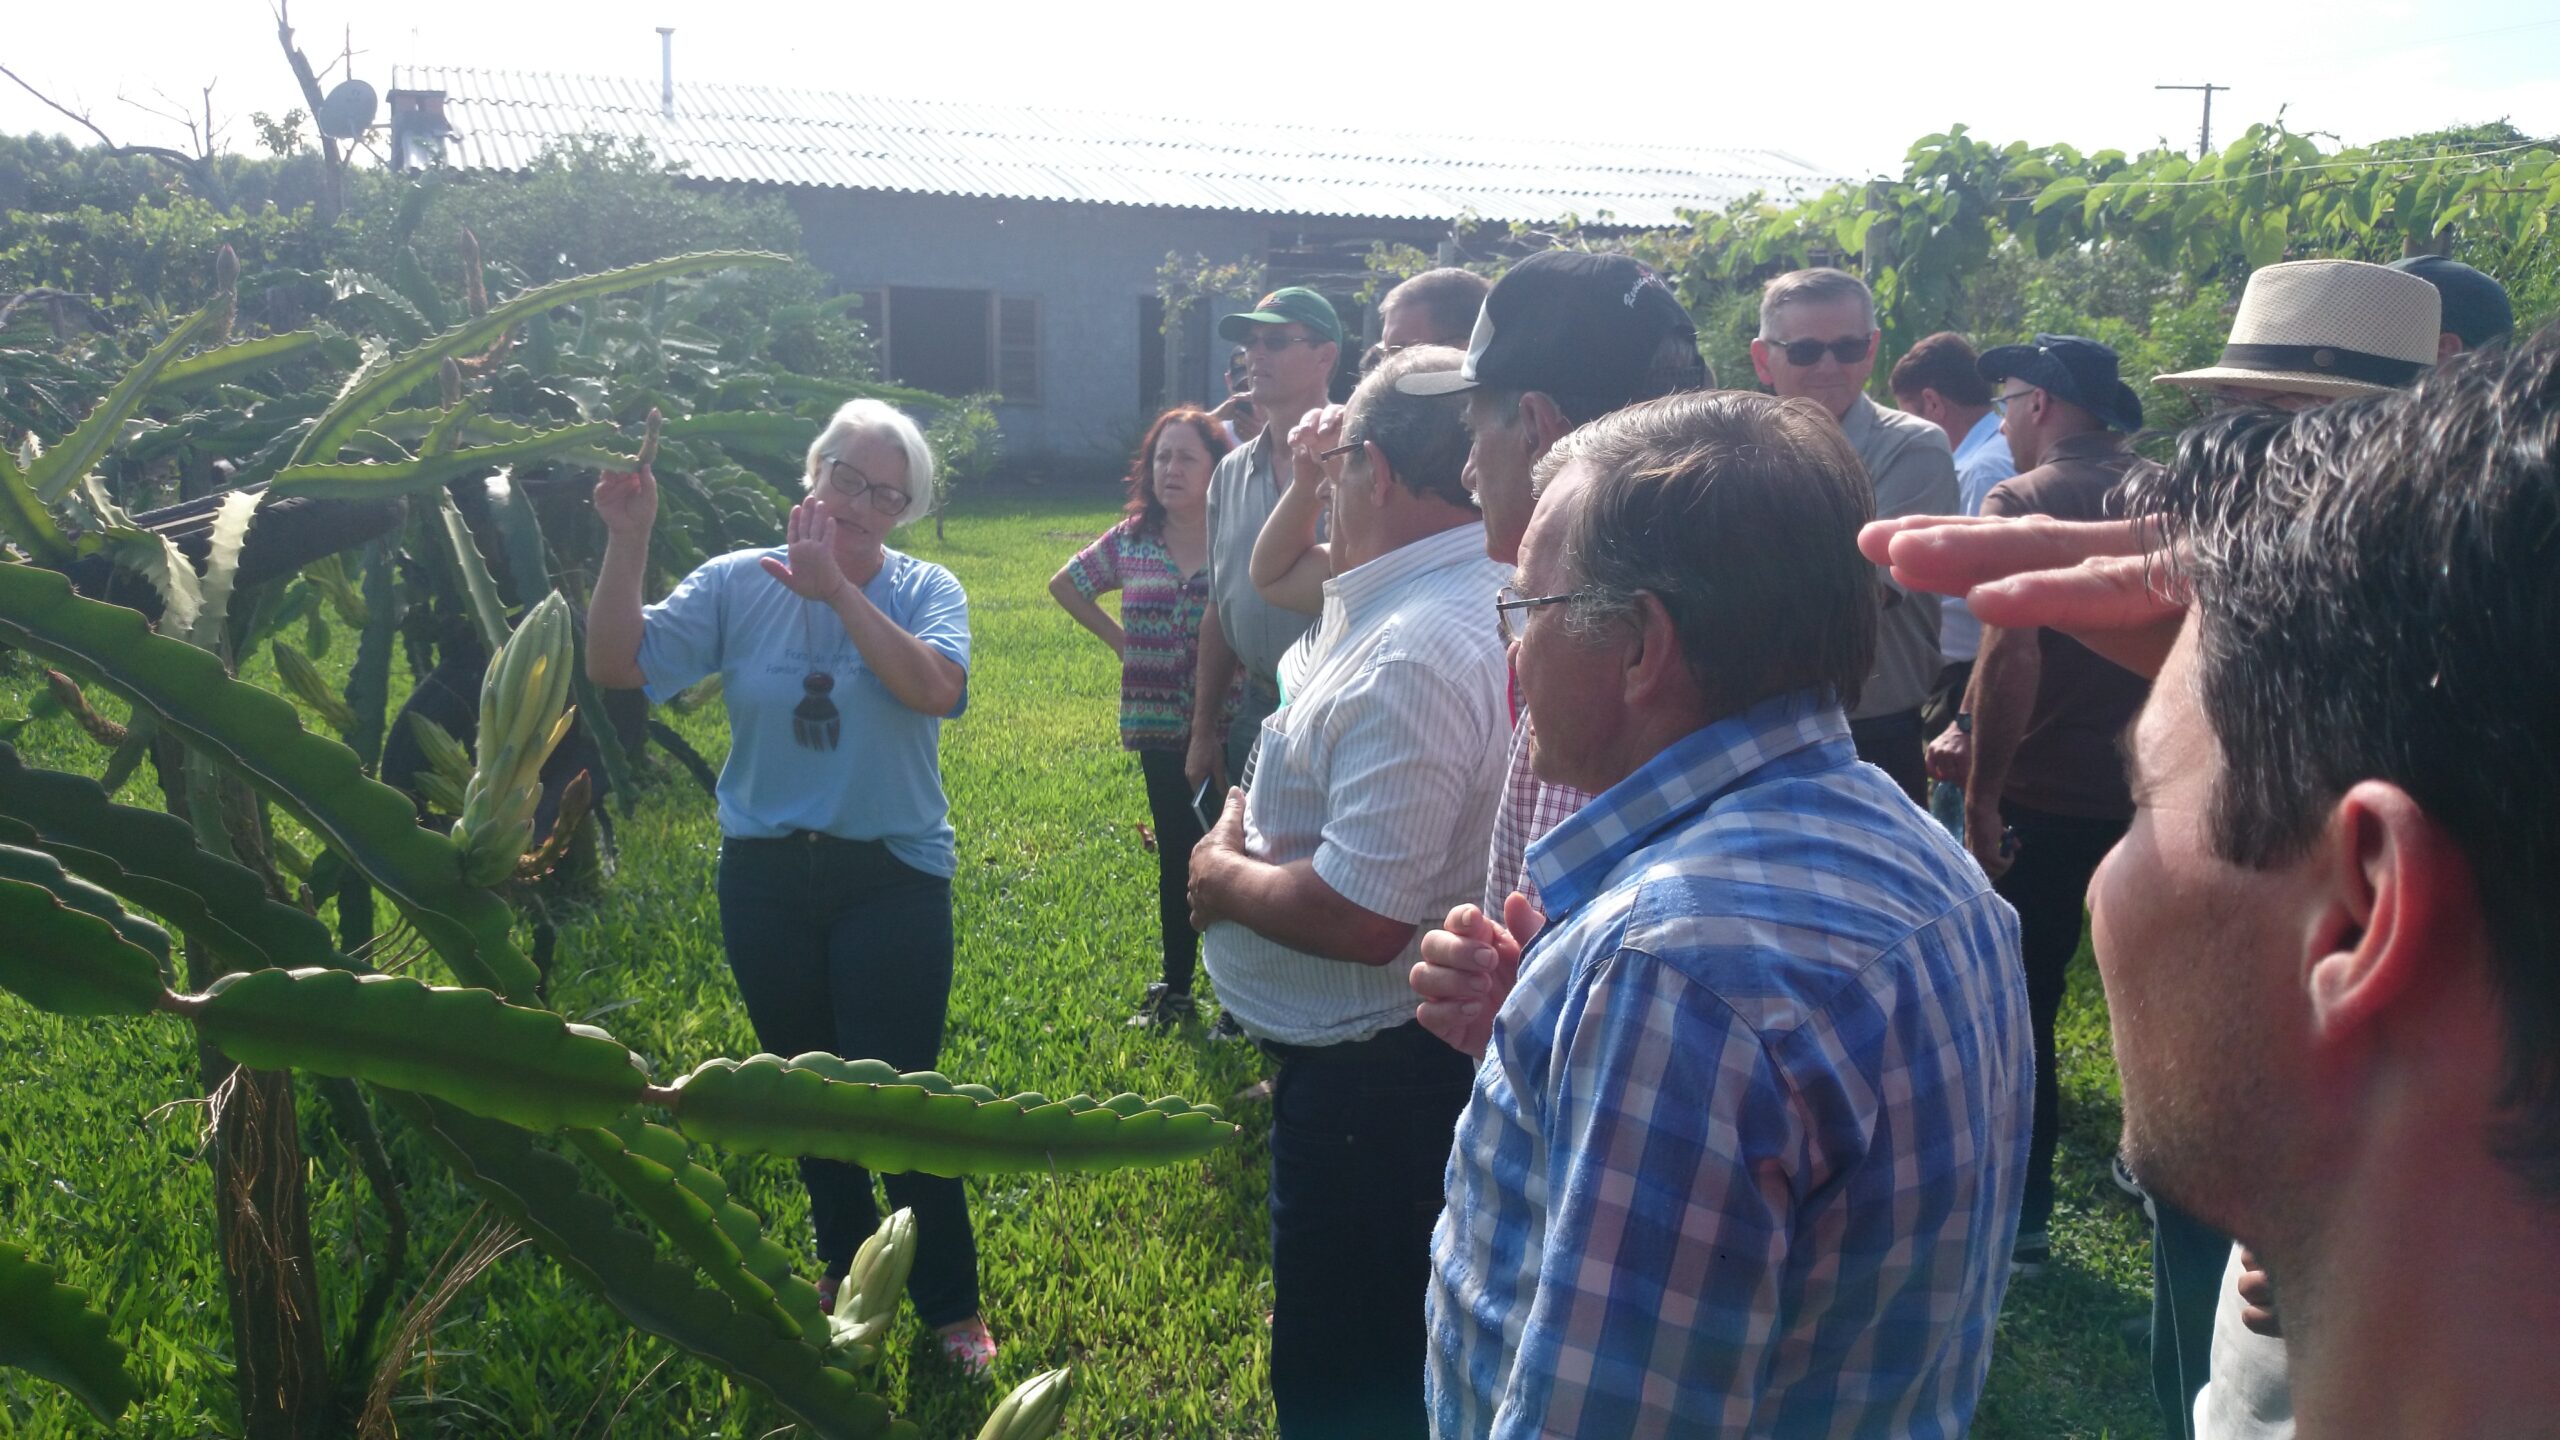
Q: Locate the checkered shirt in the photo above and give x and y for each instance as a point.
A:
(1745, 1154)
(1530, 808)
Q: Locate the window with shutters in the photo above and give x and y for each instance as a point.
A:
(957, 342)
(1018, 348)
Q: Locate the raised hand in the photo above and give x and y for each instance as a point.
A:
(1319, 431)
(809, 569)
(1468, 968)
(627, 502)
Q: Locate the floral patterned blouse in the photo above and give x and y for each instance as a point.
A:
(1160, 610)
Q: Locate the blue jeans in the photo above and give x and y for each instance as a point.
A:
(839, 946)
(1360, 1137)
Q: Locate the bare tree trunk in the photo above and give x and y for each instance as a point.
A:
(262, 1213)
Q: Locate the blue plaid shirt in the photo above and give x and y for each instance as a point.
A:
(1745, 1154)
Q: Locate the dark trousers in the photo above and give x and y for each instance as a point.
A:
(1177, 830)
(1360, 1137)
(839, 946)
(2048, 885)
(2187, 1258)
(1891, 743)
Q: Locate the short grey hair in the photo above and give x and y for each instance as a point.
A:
(857, 417)
(1425, 436)
(1812, 287)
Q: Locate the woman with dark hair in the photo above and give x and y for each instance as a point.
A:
(1157, 557)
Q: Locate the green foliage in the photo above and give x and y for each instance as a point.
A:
(1923, 238)
(258, 734)
(72, 949)
(967, 447)
(467, 1048)
(49, 1329)
(818, 1105)
(149, 858)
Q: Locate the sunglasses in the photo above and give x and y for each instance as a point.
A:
(1806, 353)
(1270, 344)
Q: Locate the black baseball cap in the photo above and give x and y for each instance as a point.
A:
(2476, 307)
(1566, 322)
(2068, 367)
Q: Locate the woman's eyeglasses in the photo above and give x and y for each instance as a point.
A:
(887, 499)
(1507, 600)
(1804, 354)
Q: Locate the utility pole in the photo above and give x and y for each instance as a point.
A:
(2204, 139)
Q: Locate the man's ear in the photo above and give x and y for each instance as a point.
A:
(1655, 672)
(1760, 363)
(1544, 420)
(2393, 902)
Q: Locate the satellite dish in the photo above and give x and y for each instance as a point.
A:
(349, 110)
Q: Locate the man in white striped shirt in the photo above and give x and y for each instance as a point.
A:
(1365, 818)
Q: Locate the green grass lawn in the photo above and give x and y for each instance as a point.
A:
(1153, 1284)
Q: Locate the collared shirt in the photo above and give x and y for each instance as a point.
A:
(1913, 473)
(2066, 762)
(1160, 628)
(1982, 461)
(1530, 808)
(1242, 494)
(1745, 1153)
(849, 760)
(1382, 769)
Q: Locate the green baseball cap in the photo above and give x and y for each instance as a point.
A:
(1289, 305)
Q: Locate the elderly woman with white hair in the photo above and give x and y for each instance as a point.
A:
(840, 659)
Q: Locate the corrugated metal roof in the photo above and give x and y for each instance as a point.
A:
(765, 135)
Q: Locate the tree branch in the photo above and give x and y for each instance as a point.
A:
(199, 172)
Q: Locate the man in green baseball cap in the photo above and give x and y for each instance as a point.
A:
(1288, 305)
(1290, 340)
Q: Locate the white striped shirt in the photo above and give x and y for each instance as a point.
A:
(1384, 768)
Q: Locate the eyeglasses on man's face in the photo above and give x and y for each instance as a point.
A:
(1273, 342)
(852, 484)
(1805, 354)
(1509, 599)
(2001, 402)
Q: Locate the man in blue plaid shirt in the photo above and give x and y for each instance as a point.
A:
(1745, 1151)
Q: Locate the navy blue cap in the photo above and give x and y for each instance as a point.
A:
(2475, 306)
(2068, 367)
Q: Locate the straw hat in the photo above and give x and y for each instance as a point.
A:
(2327, 327)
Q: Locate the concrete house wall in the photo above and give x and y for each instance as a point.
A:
(1091, 267)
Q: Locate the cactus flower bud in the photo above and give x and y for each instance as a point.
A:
(524, 700)
(869, 1299)
(1033, 1410)
(303, 678)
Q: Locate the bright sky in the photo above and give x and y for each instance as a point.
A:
(1712, 74)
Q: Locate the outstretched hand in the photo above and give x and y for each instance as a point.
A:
(627, 502)
(2096, 581)
(809, 569)
(1468, 968)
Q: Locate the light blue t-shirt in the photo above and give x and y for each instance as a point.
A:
(875, 773)
(1982, 461)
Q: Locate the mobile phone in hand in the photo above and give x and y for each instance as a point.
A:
(1207, 802)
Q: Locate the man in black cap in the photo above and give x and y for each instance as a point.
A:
(2035, 744)
(2476, 308)
(1565, 337)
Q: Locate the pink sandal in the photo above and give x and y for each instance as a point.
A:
(968, 1345)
